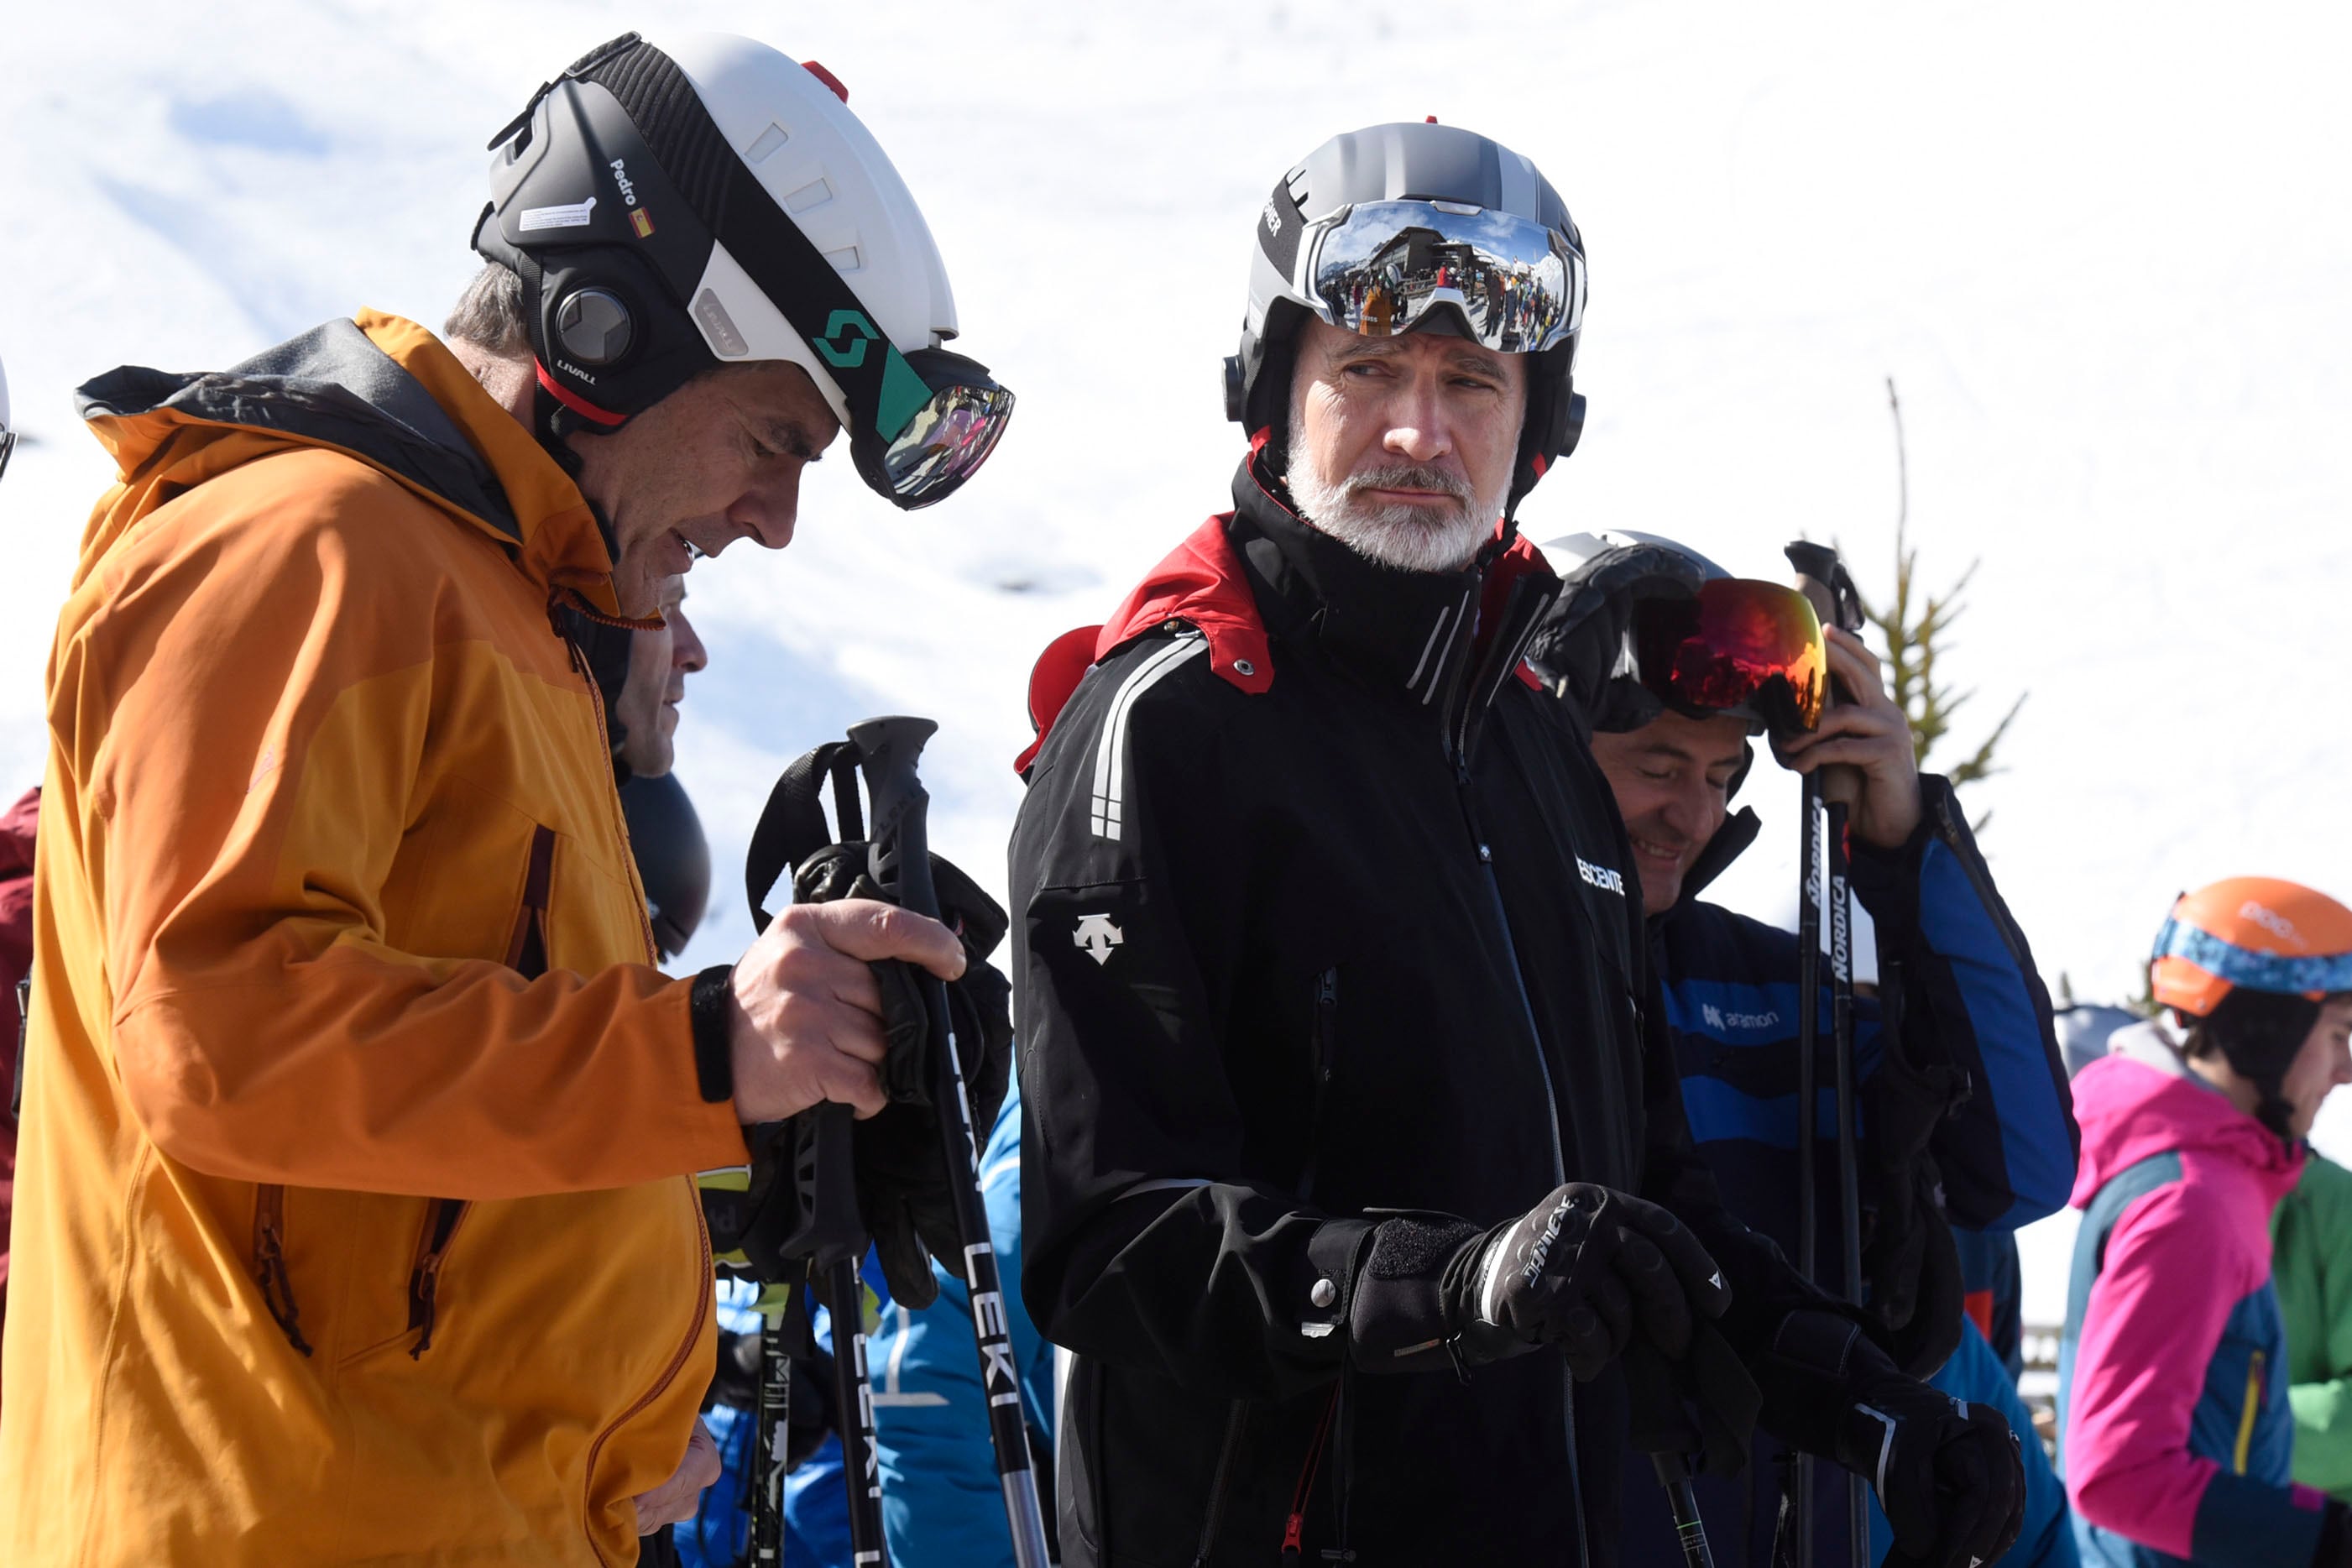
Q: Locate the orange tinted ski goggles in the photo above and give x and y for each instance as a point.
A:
(1746, 649)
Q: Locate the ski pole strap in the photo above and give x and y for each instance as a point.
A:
(791, 826)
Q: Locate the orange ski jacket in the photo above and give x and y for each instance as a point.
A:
(352, 1220)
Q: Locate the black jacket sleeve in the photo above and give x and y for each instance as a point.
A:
(1144, 1244)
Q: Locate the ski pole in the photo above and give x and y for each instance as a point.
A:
(853, 1405)
(1808, 1045)
(1660, 1429)
(1842, 1055)
(771, 1410)
(900, 861)
(1822, 578)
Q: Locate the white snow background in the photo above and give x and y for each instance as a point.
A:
(2105, 249)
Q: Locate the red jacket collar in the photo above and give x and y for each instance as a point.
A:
(1201, 583)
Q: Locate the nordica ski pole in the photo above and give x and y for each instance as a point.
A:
(900, 861)
(1808, 1045)
(1822, 578)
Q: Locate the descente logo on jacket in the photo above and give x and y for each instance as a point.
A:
(1601, 876)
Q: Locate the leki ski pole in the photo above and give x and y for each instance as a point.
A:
(1822, 578)
(900, 861)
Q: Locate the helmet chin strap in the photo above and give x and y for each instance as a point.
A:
(548, 422)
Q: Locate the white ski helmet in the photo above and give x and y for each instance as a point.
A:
(714, 201)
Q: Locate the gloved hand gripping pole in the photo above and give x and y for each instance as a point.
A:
(900, 862)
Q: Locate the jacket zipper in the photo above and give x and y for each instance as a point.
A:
(2254, 1408)
(269, 1262)
(425, 1278)
(1551, 1107)
(669, 1373)
(1505, 650)
(1323, 1036)
(1219, 1480)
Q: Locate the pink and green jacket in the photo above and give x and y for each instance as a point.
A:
(2175, 1430)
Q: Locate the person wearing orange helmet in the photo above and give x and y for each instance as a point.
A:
(2176, 1430)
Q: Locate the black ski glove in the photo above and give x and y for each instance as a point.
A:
(1577, 649)
(1579, 1270)
(903, 1196)
(1948, 1474)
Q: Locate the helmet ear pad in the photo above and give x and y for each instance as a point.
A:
(1555, 419)
(1258, 395)
(601, 329)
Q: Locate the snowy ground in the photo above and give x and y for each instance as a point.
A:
(2102, 248)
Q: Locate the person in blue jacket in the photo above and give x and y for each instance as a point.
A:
(941, 1499)
(1969, 1124)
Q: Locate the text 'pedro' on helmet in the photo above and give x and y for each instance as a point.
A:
(1410, 227)
(714, 202)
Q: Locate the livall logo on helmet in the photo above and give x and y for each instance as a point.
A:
(854, 354)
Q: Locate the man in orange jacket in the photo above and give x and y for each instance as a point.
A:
(355, 1221)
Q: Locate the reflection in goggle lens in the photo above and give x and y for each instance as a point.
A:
(1748, 648)
(1382, 268)
(947, 438)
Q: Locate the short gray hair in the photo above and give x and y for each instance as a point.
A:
(489, 314)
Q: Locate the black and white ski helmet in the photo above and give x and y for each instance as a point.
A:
(1411, 192)
(713, 201)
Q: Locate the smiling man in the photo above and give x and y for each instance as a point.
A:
(358, 1120)
(1352, 1171)
(1964, 1107)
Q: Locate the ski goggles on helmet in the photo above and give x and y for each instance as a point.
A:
(943, 440)
(1750, 649)
(1510, 284)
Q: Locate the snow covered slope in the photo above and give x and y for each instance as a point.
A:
(2102, 248)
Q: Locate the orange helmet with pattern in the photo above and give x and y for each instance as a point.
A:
(2259, 932)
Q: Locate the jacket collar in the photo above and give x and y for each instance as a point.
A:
(385, 392)
(1447, 640)
(1419, 634)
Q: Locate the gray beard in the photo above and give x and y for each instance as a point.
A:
(1405, 536)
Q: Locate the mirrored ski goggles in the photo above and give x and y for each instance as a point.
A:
(1384, 267)
(1750, 649)
(942, 439)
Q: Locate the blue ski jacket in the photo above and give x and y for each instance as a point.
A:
(1975, 1002)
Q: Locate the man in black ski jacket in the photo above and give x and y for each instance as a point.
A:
(1356, 1159)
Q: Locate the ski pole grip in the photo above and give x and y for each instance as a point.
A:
(899, 856)
(1823, 579)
